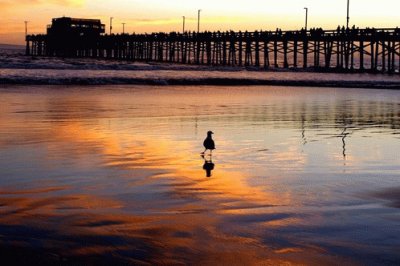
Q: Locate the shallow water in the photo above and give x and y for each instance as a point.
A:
(99, 175)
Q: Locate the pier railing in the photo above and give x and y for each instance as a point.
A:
(369, 49)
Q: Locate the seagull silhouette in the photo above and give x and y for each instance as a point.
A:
(209, 143)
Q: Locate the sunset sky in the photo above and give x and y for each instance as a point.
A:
(161, 15)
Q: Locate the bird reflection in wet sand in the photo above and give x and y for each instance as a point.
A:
(208, 165)
(209, 143)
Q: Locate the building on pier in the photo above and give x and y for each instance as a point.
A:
(66, 35)
(75, 27)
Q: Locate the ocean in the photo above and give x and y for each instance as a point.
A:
(100, 164)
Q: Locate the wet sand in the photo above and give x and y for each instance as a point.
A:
(113, 175)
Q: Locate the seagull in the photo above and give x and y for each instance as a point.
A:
(209, 143)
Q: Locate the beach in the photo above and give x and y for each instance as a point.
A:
(112, 174)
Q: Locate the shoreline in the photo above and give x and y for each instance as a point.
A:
(391, 85)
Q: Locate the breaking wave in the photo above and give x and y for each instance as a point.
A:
(15, 68)
(200, 81)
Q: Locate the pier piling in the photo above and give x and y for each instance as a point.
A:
(376, 50)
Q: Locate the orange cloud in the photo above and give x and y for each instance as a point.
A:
(14, 4)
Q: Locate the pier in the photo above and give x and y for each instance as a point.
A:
(343, 49)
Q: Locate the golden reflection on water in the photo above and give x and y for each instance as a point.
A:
(119, 172)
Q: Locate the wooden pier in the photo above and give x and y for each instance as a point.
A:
(347, 50)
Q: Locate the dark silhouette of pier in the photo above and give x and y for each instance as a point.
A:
(343, 49)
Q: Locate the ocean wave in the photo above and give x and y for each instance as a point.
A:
(199, 81)
(16, 59)
(15, 68)
(13, 59)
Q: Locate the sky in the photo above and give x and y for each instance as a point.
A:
(166, 15)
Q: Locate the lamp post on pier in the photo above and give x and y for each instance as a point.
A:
(26, 28)
(111, 19)
(348, 13)
(183, 26)
(306, 8)
(123, 27)
(198, 20)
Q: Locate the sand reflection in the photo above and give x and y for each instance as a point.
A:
(117, 177)
(186, 228)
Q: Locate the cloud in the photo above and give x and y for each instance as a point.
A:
(24, 3)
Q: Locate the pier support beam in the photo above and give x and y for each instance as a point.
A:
(380, 47)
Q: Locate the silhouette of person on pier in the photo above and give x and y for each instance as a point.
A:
(209, 143)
